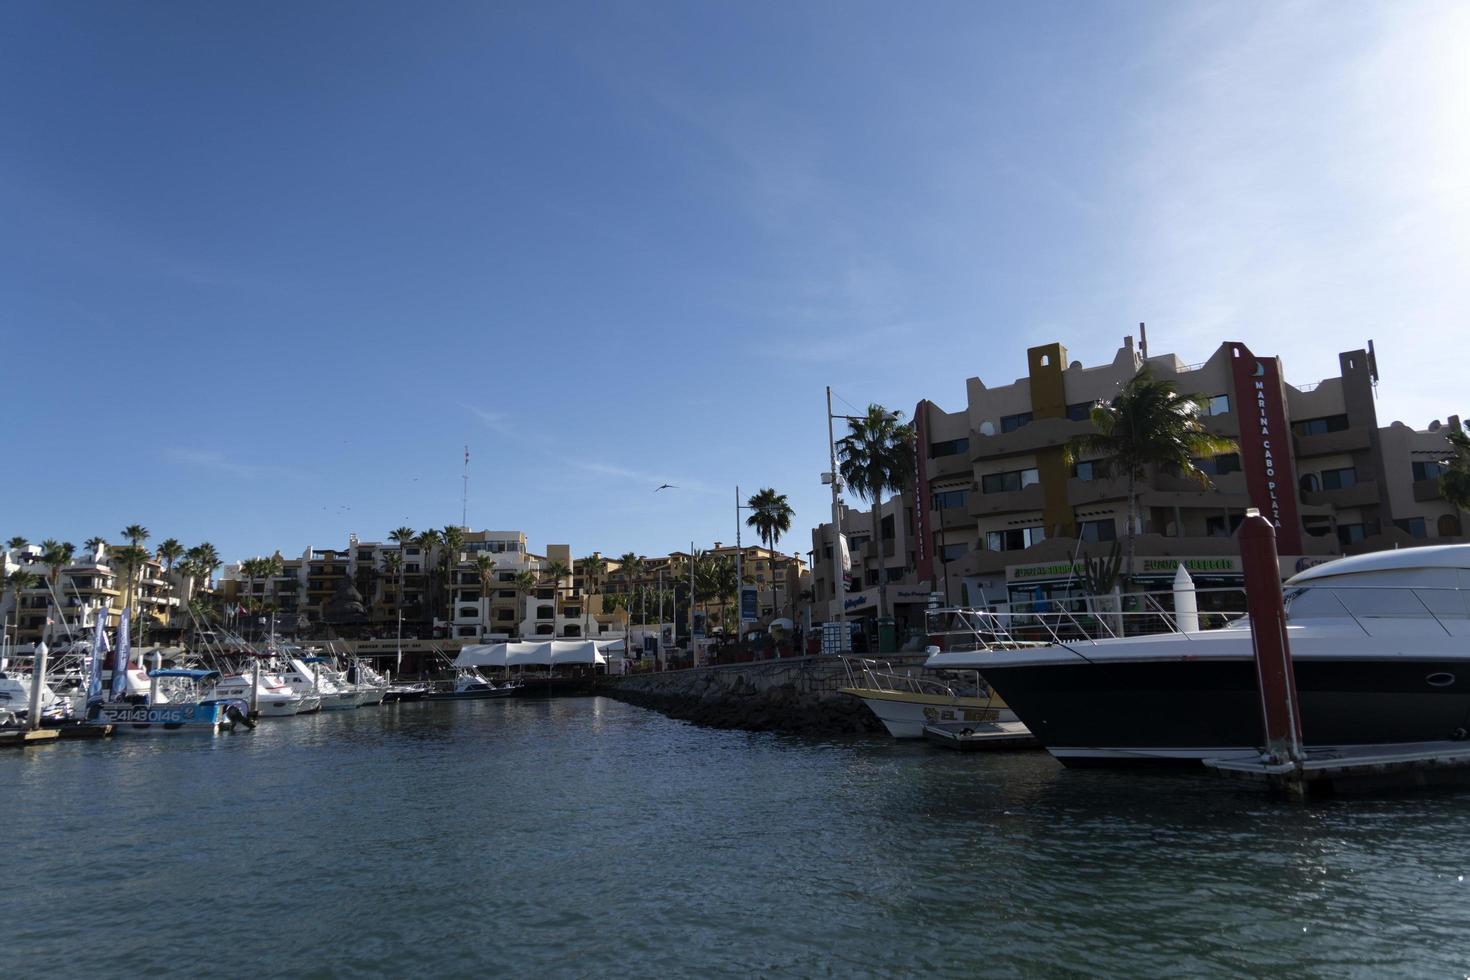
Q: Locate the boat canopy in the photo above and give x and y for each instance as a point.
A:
(542, 653)
(193, 675)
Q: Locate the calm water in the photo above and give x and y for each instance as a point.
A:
(589, 838)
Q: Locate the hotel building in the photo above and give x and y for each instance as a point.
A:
(999, 514)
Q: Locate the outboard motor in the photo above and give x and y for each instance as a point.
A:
(239, 714)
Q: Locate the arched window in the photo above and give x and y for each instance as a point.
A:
(1310, 483)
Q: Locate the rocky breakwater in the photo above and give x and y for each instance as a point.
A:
(797, 696)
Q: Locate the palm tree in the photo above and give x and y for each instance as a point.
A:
(272, 568)
(135, 533)
(53, 558)
(453, 538)
(427, 541)
(168, 552)
(1148, 424)
(132, 557)
(485, 569)
(16, 543)
(874, 458)
(18, 581)
(592, 567)
(93, 543)
(1454, 482)
(770, 515)
(206, 560)
(525, 583)
(556, 570)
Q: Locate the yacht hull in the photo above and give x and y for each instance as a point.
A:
(1180, 711)
(502, 692)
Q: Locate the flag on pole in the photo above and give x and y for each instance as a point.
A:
(95, 656)
(120, 662)
(846, 563)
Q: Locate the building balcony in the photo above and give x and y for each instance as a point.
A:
(1427, 491)
(1362, 494)
(955, 464)
(1081, 493)
(1035, 435)
(986, 504)
(954, 518)
(1355, 438)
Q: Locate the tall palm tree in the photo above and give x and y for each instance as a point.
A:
(53, 558)
(135, 533)
(206, 559)
(427, 542)
(18, 581)
(393, 567)
(272, 568)
(453, 537)
(169, 551)
(132, 558)
(770, 515)
(525, 583)
(93, 543)
(485, 569)
(556, 570)
(874, 458)
(1149, 424)
(16, 543)
(592, 567)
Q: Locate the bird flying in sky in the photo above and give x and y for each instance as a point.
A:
(666, 486)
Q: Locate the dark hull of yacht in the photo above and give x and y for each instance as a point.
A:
(1153, 712)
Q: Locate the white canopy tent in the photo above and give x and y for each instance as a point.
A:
(542, 653)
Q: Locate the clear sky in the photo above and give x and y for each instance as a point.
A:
(266, 268)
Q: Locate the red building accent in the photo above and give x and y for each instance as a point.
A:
(924, 550)
(1265, 445)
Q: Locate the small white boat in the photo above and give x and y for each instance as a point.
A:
(312, 676)
(905, 703)
(174, 705)
(274, 698)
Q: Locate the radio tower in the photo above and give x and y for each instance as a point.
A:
(464, 498)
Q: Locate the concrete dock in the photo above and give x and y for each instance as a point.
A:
(21, 738)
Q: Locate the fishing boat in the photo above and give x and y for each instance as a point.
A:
(274, 698)
(905, 703)
(180, 700)
(314, 676)
(1380, 645)
(470, 685)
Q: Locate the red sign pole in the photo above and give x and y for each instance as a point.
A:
(1280, 710)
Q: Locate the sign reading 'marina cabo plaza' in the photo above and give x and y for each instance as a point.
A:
(1265, 445)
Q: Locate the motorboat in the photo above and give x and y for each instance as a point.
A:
(15, 699)
(274, 698)
(905, 703)
(470, 685)
(180, 700)
(1380, 646)
(405, 692)
(313, 676)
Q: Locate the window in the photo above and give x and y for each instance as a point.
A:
(1088, 469)
(505, 615)
(949, 447)
(1010, 423)
(953, 552)
(1413, 526)
(1005, 482)
(465, 612)
(1095, 531)
(945, 499)
(1080, 412)
(1014, 539)
(1221, 465)
(1350, 533)
(1339, 479)
(1218, 527)
(1316, 427)
(1214, 405)
(1427, 471)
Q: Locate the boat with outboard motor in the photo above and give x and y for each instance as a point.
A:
(1380, 646)
(179, 700)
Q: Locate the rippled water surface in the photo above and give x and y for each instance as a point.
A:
(584, 837)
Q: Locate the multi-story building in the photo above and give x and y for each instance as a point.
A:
(1001, 510)
(66, 600)
(778, 577)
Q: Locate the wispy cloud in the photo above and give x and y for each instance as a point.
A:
(651, 480)
(208, 459)
(496, 421)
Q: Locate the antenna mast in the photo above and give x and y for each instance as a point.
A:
(464, 498)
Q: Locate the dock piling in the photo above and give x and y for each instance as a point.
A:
(1280, 710)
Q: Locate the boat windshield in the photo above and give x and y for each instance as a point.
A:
(1376, 602)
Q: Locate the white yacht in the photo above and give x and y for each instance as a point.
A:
(1380, 645)
(311, 675)
(905, 703)
(274, 698)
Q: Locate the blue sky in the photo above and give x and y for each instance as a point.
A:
(266, 268)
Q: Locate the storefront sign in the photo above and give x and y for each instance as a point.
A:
(1195, 566)
(1265, 445)
(749, 604)
(1046, 570)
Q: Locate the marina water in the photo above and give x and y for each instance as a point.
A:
(584, 837)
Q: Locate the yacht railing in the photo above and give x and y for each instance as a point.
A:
(1373, 609)
(880, 675)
